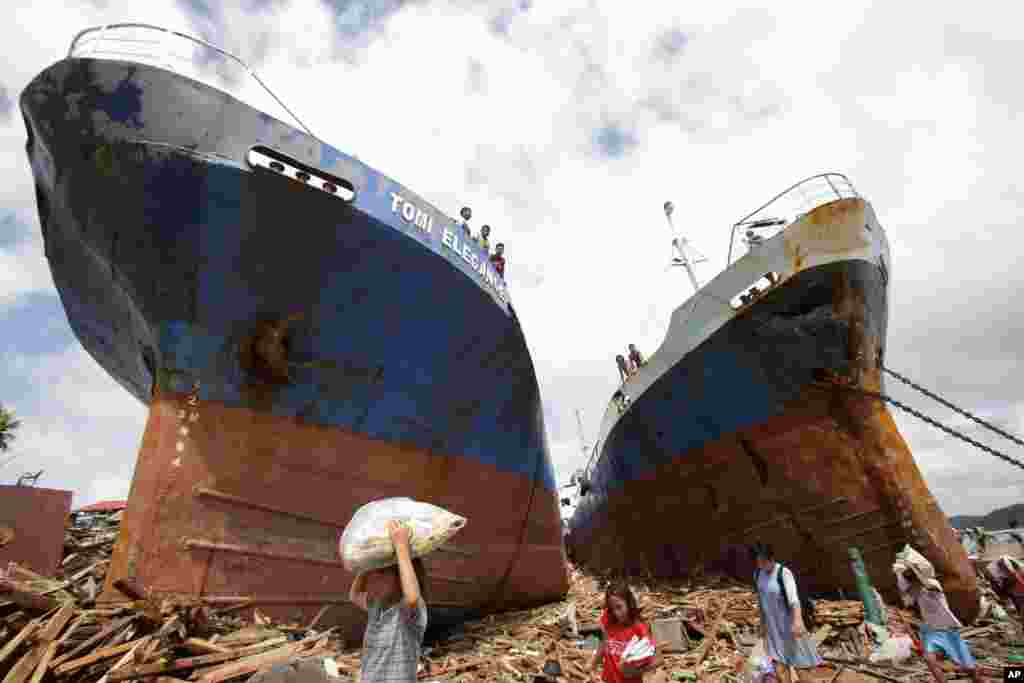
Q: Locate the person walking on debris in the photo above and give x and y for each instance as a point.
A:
(782, 620)
(393, 598)
(915, 579)
(620, 623)
(620, 361)
(1007, 576)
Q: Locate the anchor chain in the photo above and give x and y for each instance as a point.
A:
(952, 407)
(932, 421)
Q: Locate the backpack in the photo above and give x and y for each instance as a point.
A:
(806, 604)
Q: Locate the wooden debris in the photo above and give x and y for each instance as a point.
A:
(205, 647)
(25, 597)
(57, 635)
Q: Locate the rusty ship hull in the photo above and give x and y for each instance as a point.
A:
(302, 351)
(746, 425)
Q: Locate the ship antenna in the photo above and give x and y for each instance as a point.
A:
(680, 245)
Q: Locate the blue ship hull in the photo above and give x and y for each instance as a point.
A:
(187, 273)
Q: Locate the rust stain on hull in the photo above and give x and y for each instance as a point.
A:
(244, 504)
(830, 470)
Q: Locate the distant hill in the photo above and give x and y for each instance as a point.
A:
(997, 519)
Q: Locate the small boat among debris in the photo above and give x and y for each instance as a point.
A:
(755, 419)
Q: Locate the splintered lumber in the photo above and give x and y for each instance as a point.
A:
(205, 647)
(127, 658)
(22, 636)
(44, 663)
(57, 623)
(251, 664)
(96, 639)
(452, 670)
(855, 662)
(196, 662)
(26, 598)
(20, 672)
(99, 655)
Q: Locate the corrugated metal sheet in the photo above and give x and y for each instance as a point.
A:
(33, 519)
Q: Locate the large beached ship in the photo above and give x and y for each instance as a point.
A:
(308, 334)
(750, 422)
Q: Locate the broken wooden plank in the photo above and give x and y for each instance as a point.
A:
(127, 658)
(15, 642)
(44, 663)
(21, 671)
(251, 664)
(195, 662)
(26, 598)
(205, 647)
(95, 640)
(105, 653)
(58, 622)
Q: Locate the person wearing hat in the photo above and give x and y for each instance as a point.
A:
(915, 579)
(1007, 577)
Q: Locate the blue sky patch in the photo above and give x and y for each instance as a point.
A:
(613, 141)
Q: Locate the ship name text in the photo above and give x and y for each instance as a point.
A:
(410, 213)
(451, 239)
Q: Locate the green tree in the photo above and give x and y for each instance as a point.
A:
(7, 426)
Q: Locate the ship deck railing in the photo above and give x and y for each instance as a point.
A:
(787, 207)
(187, 56)
(184, 55)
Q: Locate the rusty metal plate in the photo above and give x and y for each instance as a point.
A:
(36, 519)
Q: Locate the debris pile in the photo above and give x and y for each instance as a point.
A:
(53, 629)
(562, 638)
(707, 631)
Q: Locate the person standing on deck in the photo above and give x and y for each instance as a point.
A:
(635, 358)
(620, 360)
(466, 214)
(915, 579)
(782, 623)
(483, 239)
(498, 259)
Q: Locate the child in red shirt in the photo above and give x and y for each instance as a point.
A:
(620, 622)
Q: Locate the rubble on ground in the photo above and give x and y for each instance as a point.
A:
(52, 629)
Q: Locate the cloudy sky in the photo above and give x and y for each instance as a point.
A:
(566, 125)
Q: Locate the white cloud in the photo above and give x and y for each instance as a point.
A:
(921, 115)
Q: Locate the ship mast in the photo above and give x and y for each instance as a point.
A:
(580, 474)
(679, 247)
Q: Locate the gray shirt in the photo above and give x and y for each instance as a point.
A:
(391, 644)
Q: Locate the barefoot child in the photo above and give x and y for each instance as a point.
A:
(915, 578)
(397, 619)
(620, 622)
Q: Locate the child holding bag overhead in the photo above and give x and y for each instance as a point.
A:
(397, 615)
(621, 624)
